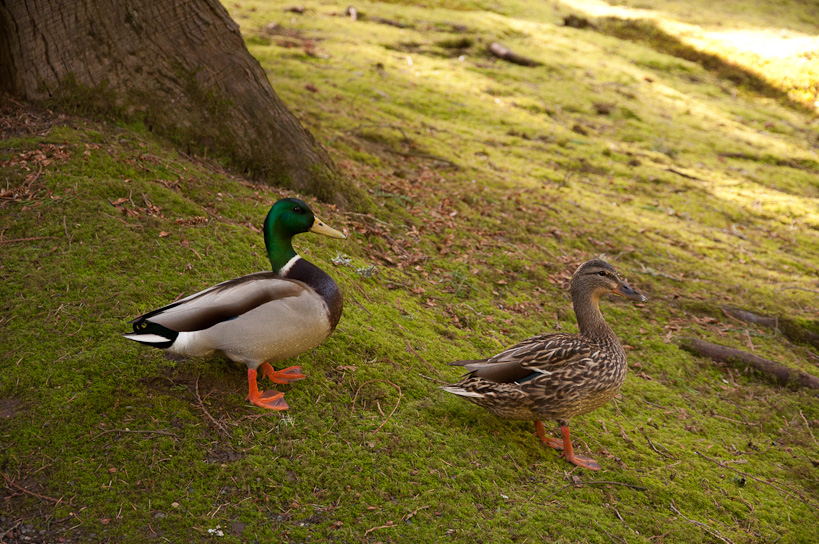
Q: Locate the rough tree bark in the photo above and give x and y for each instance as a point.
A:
(180, 65)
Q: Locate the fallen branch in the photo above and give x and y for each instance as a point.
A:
(775, 371)
(792, 330)
(749, 317)
(390, 22)
(508, 55)
(700, 524)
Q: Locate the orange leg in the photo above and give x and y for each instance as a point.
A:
(568, 453)
(272, 400)
(285, 375)
(546, 440)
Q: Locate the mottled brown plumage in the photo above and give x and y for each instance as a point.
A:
(556, 376)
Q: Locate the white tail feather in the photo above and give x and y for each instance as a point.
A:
(147, 338)
(461, 392)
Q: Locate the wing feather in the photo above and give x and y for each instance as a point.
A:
(223, 302)
(542, 354)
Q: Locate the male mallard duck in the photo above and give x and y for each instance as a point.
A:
(556, 376)
(258, 318)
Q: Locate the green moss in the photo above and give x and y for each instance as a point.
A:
(470, 260)
(646, 31)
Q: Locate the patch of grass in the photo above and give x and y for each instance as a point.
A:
(680, 184)
(648, 32)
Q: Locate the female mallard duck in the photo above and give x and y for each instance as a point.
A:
(258, 318)
(556, 376)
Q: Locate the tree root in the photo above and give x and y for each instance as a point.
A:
(510, 56)
(739, 358)
(792, 330)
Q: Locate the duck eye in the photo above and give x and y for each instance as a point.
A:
(297, 209)
(603, 273)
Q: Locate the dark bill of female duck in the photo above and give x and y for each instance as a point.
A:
(625, 291)
(258, 318)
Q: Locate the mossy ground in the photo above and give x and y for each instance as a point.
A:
(489, 183)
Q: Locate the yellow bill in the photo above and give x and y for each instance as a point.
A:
(320, 228)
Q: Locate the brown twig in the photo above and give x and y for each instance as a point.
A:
(796, 288)
(25, 239)
(700, 524)
(371, 529)
(807, 426)
(8, 531)
(10, 483)
(581, 484)
(357, 303)
(683, 174)
(751, 476)
(400, 395)
(357, 287)
(202, 406)
(732, 420)
(434, 379)
(411, 350)
(739, 411)
(619, 516)
(653, 447)
(167, 433)
(65, 229)
(607, 533)
(411, 514)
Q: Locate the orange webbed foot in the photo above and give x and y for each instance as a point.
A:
(569, 455)
(584, 462)
(540, 432)
(285, 375)
(272, 400)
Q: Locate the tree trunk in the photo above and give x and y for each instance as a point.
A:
(181, 66)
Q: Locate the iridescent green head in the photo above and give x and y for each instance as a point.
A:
(287, 218)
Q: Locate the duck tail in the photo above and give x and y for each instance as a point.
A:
(461, 392)
(467, 362)
(152, 334)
